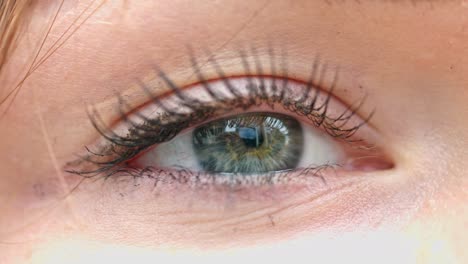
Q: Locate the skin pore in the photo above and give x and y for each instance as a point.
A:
(408, 57)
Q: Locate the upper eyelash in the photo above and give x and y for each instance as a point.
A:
(164, 128)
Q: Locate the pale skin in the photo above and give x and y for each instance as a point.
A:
(410, 59)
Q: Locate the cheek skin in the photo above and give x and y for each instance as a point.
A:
(40, 202)
(361, 219)
(78, 243)
(179, 218)
(414, 215)
(367, 227)
(369, 248)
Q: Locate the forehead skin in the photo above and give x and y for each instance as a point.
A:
(410, 58)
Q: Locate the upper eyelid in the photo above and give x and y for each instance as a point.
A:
(274, 59)
(183, 78)
(269, 63)
(320, 106)
(317, 76)
(311, 88)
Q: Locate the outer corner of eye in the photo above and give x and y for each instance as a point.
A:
(355, 154)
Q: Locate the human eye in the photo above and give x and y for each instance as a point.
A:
(232, 135)
(316, 130)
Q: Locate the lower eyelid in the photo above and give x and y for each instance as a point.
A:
(201, 216)
(197, 208)
(257, 188)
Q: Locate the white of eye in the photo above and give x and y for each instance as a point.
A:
(319, 149)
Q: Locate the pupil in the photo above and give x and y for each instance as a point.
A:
(251, 136)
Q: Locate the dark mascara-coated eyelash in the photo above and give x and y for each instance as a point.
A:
(114, 157)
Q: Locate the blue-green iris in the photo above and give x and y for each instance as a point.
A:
(249, 143)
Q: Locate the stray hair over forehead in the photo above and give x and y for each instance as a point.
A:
(11, 17)
(13, 14)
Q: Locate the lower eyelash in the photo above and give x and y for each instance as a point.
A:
(196, 180)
